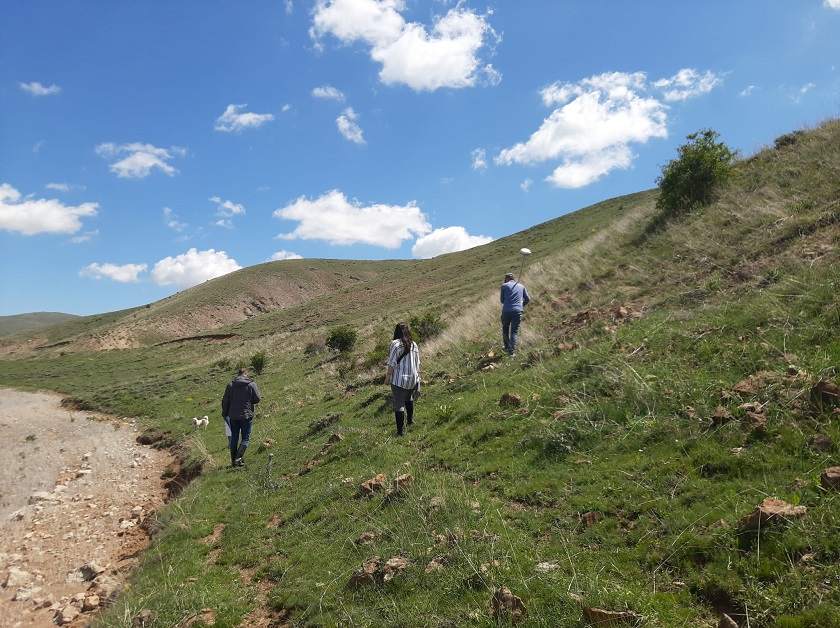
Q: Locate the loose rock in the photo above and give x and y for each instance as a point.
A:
(830, 479)
(771, 511)
(506, 606)
(510, 400)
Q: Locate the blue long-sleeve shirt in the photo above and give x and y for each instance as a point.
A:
(513, 296)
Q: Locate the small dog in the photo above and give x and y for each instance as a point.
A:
(201, 423)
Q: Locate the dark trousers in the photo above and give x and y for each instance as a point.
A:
(510, 330)
(238, 428)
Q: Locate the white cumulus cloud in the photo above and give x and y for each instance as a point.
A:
(29, 215)
(126, 273)
(328, 92)
(687, 83)
(281, 255)
(479, 157)
(140, 159)
(192, 268)
(348, 127)
(409, 53)
(337, 220)
(36, 89)
(233, 121)
(446, 240)
(833, 4)
(594, 122)
(227, 208)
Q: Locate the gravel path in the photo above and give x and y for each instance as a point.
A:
(75, 492)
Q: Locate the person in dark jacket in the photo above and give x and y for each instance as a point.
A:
(241, 395)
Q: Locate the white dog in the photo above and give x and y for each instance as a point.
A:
(201, 423)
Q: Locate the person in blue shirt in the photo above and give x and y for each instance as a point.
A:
(514, 298)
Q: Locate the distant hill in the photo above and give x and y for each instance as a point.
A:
(21, 322)
(256, 301)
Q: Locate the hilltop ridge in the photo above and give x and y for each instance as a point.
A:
(226, 304)
(21, 322)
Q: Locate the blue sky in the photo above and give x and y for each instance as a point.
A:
(148, 146)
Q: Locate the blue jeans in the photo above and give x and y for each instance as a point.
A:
(510, 330)
(237, 428)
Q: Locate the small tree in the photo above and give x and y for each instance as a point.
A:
(342, 339)
(426, 327)
(691, 180)
(258, 362)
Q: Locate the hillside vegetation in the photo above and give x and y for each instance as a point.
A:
(21, 322)
(672, 376)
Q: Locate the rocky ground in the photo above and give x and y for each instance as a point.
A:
(77, 495)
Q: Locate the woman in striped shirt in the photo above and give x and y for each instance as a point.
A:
(403, 374)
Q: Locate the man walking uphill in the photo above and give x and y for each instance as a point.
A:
(514, 297)
(241, 395)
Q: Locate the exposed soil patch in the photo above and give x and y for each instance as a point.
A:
(77, 496)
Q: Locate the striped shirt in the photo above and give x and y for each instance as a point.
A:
(407, 371)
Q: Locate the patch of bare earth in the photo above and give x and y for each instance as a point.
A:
(77, 494)
(263, 615)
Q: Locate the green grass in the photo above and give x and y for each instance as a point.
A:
(610, 481)
(21, 322)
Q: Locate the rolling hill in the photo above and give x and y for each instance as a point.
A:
(21, 322)
(673, 379)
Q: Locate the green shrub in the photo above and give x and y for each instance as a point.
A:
(258, 362)
(690, 180)
(342, 339)
(788, 139)
(426, 327)
(377, 356)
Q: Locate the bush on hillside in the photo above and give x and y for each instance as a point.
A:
(426, 327)
(258, 362)
(788, 139)
(378, 356)
(690, 180)
(341, 338)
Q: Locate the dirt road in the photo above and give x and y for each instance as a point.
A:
(75, 492)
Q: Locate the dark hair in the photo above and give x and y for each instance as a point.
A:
(243, 371)
(401, 332)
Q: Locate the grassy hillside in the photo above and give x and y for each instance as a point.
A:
(667, 383)
(21, 322)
